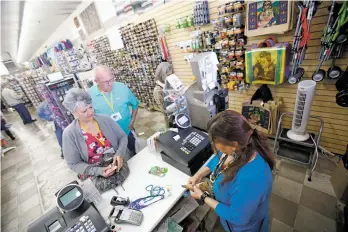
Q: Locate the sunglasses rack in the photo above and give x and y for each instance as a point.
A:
(136, 63)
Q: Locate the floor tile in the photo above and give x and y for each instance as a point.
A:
(26, 178)
(308, 220)
(9, 175)
(11, 227)
(8, 217)
(292, 171)
(9, 188)
(287, 189)
(22, 188)
(7, 170)
(25, 171)
(29, 216)
(318, 201)
(27, 194)
(7, 198)
(278, 226)
(29, 203)
(283, 210)
(325, 166)
(24, 163)
(7, 207)
(321, 182)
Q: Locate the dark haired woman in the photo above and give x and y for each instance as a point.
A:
(241, 174)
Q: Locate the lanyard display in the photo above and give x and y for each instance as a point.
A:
(111, 102)
(101, 139)
(157, 193)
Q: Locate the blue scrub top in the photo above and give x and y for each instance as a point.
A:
(122, 99)
(244, 201)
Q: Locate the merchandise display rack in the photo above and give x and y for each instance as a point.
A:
(136, 63)
(28, 83)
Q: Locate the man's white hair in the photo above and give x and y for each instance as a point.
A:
(101, 69)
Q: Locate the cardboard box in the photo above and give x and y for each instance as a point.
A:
(339, 181)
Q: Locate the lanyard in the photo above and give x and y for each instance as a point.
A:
(101, 139)
(111, 102)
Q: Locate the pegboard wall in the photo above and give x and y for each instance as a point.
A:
(335, 134)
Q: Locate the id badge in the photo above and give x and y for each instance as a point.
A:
(116, 116)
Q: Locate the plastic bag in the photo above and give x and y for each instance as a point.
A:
(139, 143)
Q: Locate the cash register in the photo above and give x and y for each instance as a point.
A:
(186, 150)
(72, 214)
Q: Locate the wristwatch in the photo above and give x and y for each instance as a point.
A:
(203, 196)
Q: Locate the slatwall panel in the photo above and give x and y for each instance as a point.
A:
(335, 135)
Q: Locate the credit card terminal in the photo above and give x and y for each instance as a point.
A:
(128, 216)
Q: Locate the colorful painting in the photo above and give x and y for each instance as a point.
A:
(275, 16)
(266, 65)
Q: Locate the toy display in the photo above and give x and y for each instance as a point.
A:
(333, 40)
(307, 11)
(269, 17)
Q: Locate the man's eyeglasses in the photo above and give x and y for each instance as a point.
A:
(107, 82)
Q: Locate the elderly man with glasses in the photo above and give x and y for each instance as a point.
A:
(114, 99)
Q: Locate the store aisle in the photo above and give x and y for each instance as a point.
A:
(32, 173)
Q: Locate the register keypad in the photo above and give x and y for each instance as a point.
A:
(191, 142)
(84, 225)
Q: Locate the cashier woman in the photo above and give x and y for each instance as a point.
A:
(240, 174)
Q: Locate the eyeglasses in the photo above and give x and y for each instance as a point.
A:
(108, 82)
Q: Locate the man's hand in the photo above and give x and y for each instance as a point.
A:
(118, 162)
(131, 125)
(108, 171)
(196, 193)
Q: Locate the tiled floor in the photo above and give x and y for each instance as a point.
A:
(32, 173)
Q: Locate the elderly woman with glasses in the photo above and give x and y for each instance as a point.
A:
(94, 146)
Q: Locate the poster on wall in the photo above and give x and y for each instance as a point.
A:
(76, 22)
(90, 19)
(266, 65)
(269, 17)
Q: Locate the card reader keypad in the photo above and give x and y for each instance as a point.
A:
(84, 225)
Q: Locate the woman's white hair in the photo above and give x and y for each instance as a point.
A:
(75, 98)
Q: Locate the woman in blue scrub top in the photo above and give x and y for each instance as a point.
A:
(240, 174)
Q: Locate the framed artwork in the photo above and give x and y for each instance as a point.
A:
(266, 65)
(76, 22)
(269, 17)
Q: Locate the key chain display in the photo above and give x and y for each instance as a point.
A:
(228, 40)
(136, 63)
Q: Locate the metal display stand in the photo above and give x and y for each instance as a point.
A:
(304, 152)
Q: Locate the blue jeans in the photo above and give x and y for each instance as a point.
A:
(23, 112)
(59, 134)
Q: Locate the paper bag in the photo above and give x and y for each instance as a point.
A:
(263, 117)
